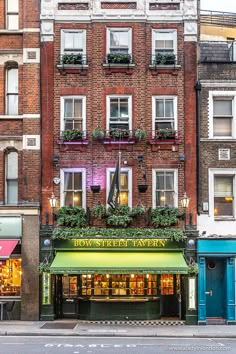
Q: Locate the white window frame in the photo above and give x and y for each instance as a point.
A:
(222, 94)
(220, 172)
(108, 183)
(174, 98)
(154, 171)
(164, 33)
(62, 178)
(119, 29)
(12, 13)
(83, 98)
(82, 31)
(11, 179)
(8, 94)
(129, 109)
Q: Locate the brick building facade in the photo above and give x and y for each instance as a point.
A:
(19, 156)
(100, 68)
(216, 187)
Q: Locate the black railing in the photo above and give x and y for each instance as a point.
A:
(164, 135)
(73, 135)
(73, 59)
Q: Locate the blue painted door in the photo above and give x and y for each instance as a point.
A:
(215, 288)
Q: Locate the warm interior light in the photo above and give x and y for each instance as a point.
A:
(89, 276)
(147, 276)
(132, 275)
(107, 275)
(216, 211)
(75, 199)
(228, 199)
(163, 198)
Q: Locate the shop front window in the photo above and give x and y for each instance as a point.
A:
(119, 284)
(151, 284)
(136, 284)
(10, 277)
(69, 286)
(167, 284)
(86, 284)
(101, 284)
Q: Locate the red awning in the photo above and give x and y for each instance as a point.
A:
(6, 247)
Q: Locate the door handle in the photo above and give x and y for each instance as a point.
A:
(209, 292)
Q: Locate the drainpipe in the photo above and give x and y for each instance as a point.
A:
(198, 88)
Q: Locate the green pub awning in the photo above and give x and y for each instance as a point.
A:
(118, 262)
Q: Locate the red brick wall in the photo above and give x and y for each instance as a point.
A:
(142, 84)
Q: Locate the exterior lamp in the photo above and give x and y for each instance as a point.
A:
(184, 204)
(53, 204)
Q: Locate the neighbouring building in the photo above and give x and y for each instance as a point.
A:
(19, 158)
(118, 79)
(216, 92)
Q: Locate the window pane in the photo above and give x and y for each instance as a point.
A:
(69, 124)
(68, 181)
(78, 108)
(10, 277)
(78, 40)
(12, 104)
(114, 107)
(169, 199)
(169, 44)
(222, 127)
(160, 44)
(12, 191)
(222, 108)
(124, 180)
(12, 165)
(68, 198)
(124, 108)
(169, 180)
(12, 5)
(124, 198)
(77, 125)
(12, 80)
(77, 199)
(119, 39)
(69, 40)
(160, 180)
(159, 108)
(169, 109)
(223, 196)
(12, 22)
(68, 108)
(164, 125)
(77, 181)
(223, 186)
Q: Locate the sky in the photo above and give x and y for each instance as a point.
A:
(219, 5)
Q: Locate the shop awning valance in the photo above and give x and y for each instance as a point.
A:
(6, 248)
(118, 262)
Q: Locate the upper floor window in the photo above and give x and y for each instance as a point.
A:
(165, 188)
(73, 42)
(119, 112)
(222, 114)
(12, 14)
(73, 110)
(164, 41)
(223, 195)
(125, 197)
(73, 187)
(119, 40)
(11, 177)
(12, 91)
(164, 112)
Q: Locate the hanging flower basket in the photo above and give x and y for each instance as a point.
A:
(95, 188)
(142, 188)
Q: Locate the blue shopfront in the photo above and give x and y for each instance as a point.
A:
(216, 281)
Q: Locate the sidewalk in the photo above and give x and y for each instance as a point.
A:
(79, 328)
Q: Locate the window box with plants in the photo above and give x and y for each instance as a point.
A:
(119, 217)
(73, 59)
(164, 136)
(98, 133)
(118, 59)
(73, 136)
(119, 136)
(163, 59)
(165, 216)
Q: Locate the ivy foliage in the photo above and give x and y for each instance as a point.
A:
(44, 267)
(165, 216)
(119, 217)
(193, 269)
(71, 216)
(67, 233)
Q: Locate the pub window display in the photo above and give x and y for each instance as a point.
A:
(10, 277)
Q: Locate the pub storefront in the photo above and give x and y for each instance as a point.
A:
(116, 279)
